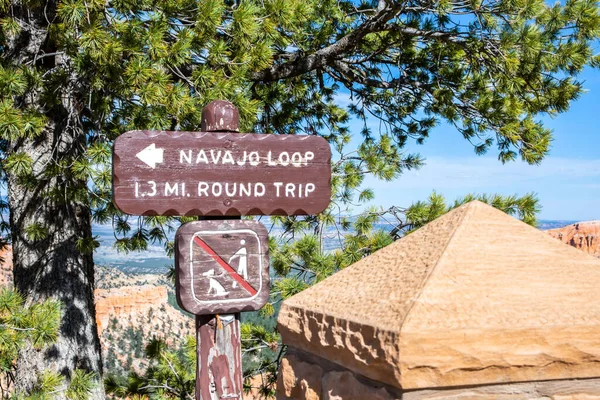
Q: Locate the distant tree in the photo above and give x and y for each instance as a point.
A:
(111, 360)
(74, 74)
(171, 375)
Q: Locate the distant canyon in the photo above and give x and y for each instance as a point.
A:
(131, 309)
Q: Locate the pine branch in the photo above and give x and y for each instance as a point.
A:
(300, 65)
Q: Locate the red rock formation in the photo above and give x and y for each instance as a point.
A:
(582, 235)
(6, 265)
(128, 317)
(127, 302)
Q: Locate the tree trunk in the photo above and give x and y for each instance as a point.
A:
(53, 267)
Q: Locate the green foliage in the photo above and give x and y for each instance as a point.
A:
(288, 286)
(257, 337)
(79, 388)
(423, 212)
(36, 232)
(171, 375)
(261, 350)
(48, 383)
(81, 385)
(36, 325)
(489, 69)
(18, 163)
(86, 245)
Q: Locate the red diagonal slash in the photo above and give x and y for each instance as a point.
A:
(225, 266)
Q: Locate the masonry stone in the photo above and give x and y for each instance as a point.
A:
(475, 299)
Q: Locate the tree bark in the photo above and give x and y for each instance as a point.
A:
(53, 267)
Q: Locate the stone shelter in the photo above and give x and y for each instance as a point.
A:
(474, 305)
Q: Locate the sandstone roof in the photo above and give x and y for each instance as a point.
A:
(474, 297)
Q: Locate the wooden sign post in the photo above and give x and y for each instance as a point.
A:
(222, 266)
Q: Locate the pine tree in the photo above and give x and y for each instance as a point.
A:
(172, 374)
(74, 74)
(36, 326)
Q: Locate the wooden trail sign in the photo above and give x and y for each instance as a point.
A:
(221, 266)
(220, 173)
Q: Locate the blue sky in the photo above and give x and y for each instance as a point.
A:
(567, 182)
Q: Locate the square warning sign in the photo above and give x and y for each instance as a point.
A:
(221, 266)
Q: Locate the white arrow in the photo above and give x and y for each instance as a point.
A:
(151, 155)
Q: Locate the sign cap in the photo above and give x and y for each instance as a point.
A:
(220, 116)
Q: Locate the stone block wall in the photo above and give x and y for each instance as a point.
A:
(474, 305)
(304, 376)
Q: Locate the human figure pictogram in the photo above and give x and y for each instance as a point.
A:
(242, 254)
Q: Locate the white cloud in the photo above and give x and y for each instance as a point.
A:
(107, 254)
(485, 172)
(567, 188)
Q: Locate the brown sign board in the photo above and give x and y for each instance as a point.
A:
(220, 173)
(221, 266)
